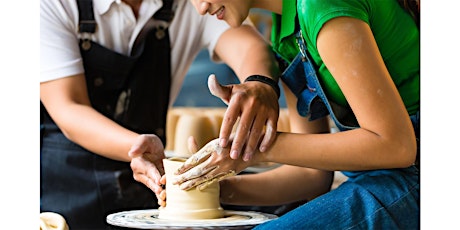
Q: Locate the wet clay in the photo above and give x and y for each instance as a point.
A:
(192, 204)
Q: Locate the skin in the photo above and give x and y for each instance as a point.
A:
(68, 104)
(309, 153)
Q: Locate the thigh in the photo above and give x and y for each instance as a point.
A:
(378, 200)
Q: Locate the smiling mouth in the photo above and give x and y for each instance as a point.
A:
(219, 11)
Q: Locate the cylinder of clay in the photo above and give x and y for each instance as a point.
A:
(191, 204)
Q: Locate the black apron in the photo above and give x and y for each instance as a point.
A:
(131, 90)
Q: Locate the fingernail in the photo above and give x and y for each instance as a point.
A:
(234, 154)
(262, 149)
(246, 157)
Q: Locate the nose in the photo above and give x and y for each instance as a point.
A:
(203, 8)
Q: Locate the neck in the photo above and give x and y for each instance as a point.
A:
(135, 5)
(275, 6)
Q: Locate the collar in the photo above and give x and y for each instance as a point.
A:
(102, 6)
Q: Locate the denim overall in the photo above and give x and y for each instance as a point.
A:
(83, 186)
(375, 199)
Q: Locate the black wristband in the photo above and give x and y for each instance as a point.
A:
(267, 81)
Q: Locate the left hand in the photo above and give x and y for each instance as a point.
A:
(257, 106)
(210, 164)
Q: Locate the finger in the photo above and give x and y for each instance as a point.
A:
(199, 171)
(232, 113)
(218, 90)
(193, 161)
(156, 188)
(195, 172)
(229, 120)
(199, 157)
(161, 198)
(241, 134)
(163, 179)
(192, 145)
(270, 135)
(216, 179)
(253, 138)
(154, 174)
(187, 185)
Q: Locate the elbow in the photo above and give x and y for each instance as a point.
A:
(407, 153)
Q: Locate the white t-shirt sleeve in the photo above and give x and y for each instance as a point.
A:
(213, 30)
(59, 51)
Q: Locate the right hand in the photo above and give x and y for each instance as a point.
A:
(256, 104)
(147, 155)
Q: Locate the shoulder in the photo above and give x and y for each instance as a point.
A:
(313, 14)
(58, 15)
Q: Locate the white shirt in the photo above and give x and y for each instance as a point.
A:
(117, 29)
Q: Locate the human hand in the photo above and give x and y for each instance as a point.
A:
(210, 164)
(257, 106)
(147, 155)
(161, 196)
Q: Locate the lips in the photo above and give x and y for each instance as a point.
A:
(219, 13)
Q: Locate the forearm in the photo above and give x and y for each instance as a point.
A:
(282, 185)
(338, 151)
(95, 132)
(67, 103)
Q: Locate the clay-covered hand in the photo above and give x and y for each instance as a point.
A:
(147, 155)
(210, 164)
(256, 104)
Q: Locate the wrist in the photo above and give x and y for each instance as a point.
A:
(272, 83)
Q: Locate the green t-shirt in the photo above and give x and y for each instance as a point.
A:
(395, 32)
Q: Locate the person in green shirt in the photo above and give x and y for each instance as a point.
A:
(357, 63)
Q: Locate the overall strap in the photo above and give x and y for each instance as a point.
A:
(87, 24)
(301, 77)
(166, 13)
(160, 21)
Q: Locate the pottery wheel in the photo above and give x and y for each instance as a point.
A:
(148, 219)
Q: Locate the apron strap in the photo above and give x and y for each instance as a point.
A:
(160, 21)
(87, 24)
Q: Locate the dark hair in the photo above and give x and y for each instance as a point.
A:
(413, 7)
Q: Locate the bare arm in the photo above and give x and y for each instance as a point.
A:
(67, 102)
(282, 185)
(385, 139)
(247, 53)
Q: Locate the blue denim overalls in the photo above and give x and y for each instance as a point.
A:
(376, 199)
(85, 187)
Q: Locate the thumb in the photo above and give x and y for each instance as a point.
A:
(218, 90)
(135, 151)
(192, 145)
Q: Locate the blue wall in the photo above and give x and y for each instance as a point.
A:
(195, 90)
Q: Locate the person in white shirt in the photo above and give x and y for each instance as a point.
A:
(105, 88)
